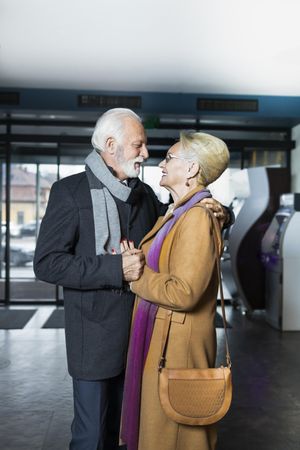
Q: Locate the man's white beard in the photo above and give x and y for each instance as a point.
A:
(128, 166)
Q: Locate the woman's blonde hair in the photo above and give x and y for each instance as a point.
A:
(210, 152)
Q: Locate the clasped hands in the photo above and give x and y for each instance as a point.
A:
(133, 261)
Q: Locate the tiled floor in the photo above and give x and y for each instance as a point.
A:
(36, 402)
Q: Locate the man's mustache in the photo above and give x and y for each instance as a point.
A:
(138, 159)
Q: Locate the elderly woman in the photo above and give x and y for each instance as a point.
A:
(180, 275)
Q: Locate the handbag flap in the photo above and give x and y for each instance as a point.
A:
(195, 396)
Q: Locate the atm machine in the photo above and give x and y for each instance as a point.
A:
(257, 192)
(281, 257)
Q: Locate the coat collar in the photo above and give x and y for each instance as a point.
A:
(162, 220)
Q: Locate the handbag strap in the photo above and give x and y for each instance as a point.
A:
(168, 317)
(216, 230)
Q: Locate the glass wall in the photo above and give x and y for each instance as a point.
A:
(23, 209)
(3, 228)
(30, 186)
(35, 166)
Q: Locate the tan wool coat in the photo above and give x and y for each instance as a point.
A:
(187, 284)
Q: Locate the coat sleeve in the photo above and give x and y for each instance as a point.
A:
(192, 263)
(231, 217)
(55, 260)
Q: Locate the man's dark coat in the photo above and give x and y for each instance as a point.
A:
(97, 308)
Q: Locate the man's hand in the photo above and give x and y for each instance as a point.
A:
(218, 210)
(133, 261)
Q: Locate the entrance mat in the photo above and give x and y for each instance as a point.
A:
(219, 322)
(15, 319)
(56, 319)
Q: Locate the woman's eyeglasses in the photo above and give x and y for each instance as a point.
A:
(170, 156)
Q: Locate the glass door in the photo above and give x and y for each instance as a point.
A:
(30, 186)
(2, 229)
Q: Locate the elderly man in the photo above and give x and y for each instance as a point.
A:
(79, 248)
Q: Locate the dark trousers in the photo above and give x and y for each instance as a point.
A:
(97, 412)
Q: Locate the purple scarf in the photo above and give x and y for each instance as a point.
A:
(142, 332)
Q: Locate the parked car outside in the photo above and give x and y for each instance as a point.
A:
(19, 257)
(15, 230)
(28, 229)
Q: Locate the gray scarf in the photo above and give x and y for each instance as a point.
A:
(104, 186)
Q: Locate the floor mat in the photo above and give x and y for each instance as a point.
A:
(14, 319)
(56, 319)
(219, 322)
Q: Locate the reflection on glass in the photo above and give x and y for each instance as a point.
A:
(264, 158)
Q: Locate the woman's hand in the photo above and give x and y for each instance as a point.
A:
(133, 261)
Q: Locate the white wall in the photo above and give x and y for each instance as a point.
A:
(295, 161)
(224, 188)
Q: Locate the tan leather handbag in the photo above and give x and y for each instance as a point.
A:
(196, 396)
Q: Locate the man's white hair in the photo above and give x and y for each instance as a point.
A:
(111, 124)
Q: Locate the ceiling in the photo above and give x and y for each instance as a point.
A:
(211, 47)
